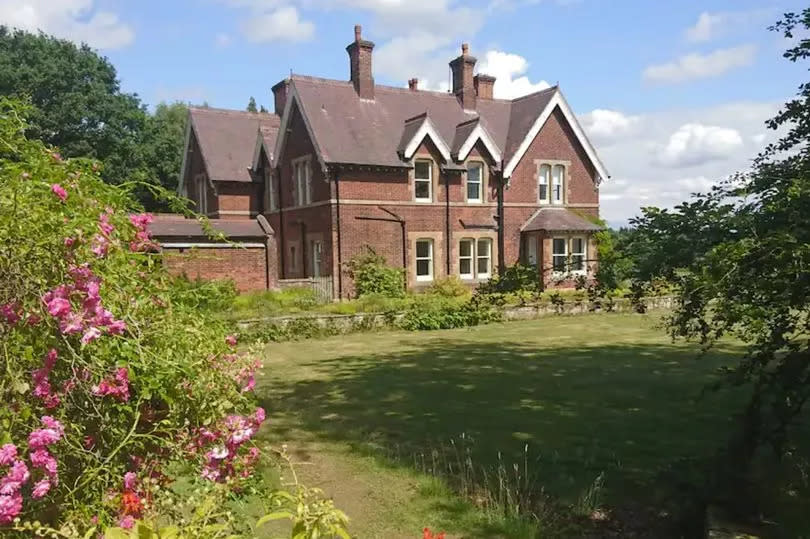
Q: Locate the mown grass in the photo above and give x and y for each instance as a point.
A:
(588, 395)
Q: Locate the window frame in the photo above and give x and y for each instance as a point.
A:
(429, 258)
(557, 187)
(546, 183)
(270, 186)
(583, 254)
(471, 257)
(429, 181)
(480, 166)
(488, 258)
(302, 181)
(564, 256)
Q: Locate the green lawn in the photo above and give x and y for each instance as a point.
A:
(588, 394)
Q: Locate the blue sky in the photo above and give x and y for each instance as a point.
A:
(673, 94)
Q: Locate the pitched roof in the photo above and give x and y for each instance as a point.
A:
(177, 227)
(352, 130)
(558, 220)
(227, 139)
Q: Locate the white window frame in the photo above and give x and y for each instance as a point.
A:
(544, 181)
(487, 257)
(429, 181)
(429, 258)
(317, 257)
(564, 256)
(557, 193)
(480, 166)
(583, 254)
(470, 257)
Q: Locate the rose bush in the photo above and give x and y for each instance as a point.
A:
(114, 374)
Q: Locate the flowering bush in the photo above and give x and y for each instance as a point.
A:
(112, 370)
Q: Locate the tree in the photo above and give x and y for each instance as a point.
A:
(79, 105)
(252, 105)
(739, 257)
(263, 109)
(162, 149)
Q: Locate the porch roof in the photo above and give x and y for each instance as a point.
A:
(558, 220)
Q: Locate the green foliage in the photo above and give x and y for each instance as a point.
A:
(162, 150)
(449, 287)
(437, 312)
(275, 302)
(78, 102)
(516, 278)
(372, 275)
(123, 367)
(738, 258)
(251, 107)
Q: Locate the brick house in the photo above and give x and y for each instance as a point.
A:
(456, 183)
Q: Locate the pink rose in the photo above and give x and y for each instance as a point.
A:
(230, 340)
(7, 454)
(41, 488)
(91, 335)
(58, 307)
(10, 507)
(59, 191)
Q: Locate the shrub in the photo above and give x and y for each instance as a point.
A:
(443, 313)
(449, 287)
(117, 375)
(372, 275)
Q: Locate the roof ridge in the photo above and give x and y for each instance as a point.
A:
(234, 112)
(538, 92)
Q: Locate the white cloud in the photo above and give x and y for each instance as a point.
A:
(695, 144)
(699, 66)
(606, 126)
(696, 157)
(222, 40)
(76, 20)
(282, 24)
(713, 25)
(509, 72)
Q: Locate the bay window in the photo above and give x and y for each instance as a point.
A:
(578, 254)
(559, 255)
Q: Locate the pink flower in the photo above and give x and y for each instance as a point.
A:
(104, 224)
(241, 436)
(58, 307)
(41, 488)
(52, 423)
(231, 340)
(59, 191)
(16, 477)
(43, 460)
(99, 246)
(10, 507)
(126, 522)
(91, 335)
(259, 416)
(10, 311)
(72, 323)
(69, 242)
(130, 479)
(117, 327)
(7, 454)
(210, 473)
(251, 383)
(141, 221)
(43, 437)
(33, 319)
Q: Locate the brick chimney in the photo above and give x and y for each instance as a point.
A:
(280, 91)
(360, 64)
(413, 84)
(484, 85)
(463, 86)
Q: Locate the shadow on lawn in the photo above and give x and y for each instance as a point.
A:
(625, 410)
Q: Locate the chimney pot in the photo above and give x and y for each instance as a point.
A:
(358, 32)
(465, 48)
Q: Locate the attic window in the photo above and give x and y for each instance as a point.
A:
(423, 181)
(474, 179)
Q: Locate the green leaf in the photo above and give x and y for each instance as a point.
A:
(278, 515)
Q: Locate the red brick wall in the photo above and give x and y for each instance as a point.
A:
(555, 141)
(246, 267)
(239, 200)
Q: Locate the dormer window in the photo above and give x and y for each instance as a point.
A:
(475, 172)
(423, 180)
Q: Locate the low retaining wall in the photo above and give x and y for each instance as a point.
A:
(370, 321)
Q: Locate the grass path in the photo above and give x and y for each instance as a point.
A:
(586, 395)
